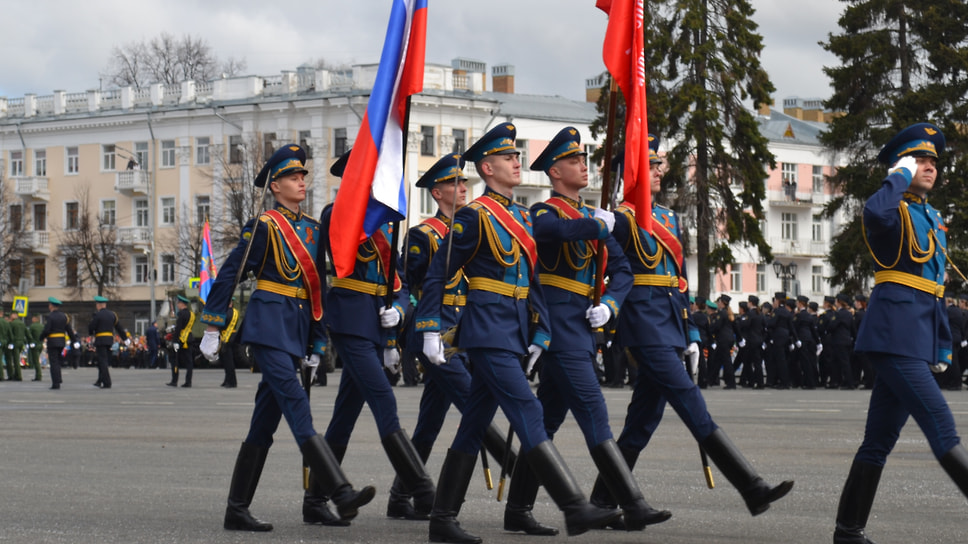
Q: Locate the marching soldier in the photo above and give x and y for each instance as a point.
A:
(57, 331)
(102, 327)
(184, 320)
(493, 243)
(905, 332)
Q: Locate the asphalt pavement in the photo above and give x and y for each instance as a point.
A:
(143, 462)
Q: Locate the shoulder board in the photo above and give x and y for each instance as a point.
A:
(424, 228)
(475, 205)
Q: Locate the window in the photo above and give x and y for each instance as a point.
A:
(168, 153)
(202, 155)
(108, 156)
(111, 269)
(522, 200)
(16, 271)
(40, 272)
(427, 204)
(168, 210)
(72, 220)
(141, 269)
(816, 279)
(141, 154)
(167, 268)
(460, 140)
(141, 325)
(735, 278)
(202, 205)
(339, 142)
(522, 147)
(592, 165)
(760, 278)
(16, 218)
(267, 143)
(40, 162)
(70, 271)
(236, 150)
(788, 226)
(789, 176)
(427, 147)
(141, 212)
(818, 179)
(16, 163)
(304, 136)
(73, 160)
(816, 229)
(109, 212)
(40, 217)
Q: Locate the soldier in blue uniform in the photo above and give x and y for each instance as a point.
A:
(450, 383)
(493, 243)
(283, 326)
(905, 332)
(184, 320)
(57, 331)
(102, 327)
(569, 236)
(654, 326)
(363, 332)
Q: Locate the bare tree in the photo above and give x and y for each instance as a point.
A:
(94, 248)
(238, 196)
(169, 60)
(13, 244)
(188, 250)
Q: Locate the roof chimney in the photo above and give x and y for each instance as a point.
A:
(502, 76)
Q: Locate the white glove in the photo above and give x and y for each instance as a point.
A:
(964, 343)
(909, 163)
(9, 346)
(534, 352)
(176, 346)
(127, 342)
(607, 217)
(939, 367)
(433, 348)
(309, 361)
(819, 349)
(691, 348)
(798, 343)
(712, 346)
(33, 345)
(742, 342)
(597, 315)
(763, 345)
(389, 317)
(791, 347)
(208, 345)
(77, 345)
(391, 360)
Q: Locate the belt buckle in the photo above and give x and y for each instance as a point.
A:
(517, 292)
(301, 293)
(939, 291)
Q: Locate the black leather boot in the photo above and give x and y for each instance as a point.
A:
(315, 508)
(455, 476)
(410, 469)
(495, 442)
(756, 492)
(333, 482)
(399, 505)
(521, 494)
(955, 463)
(580, 516)
(855, 503)
(617, 476)
(174, 374)
(245, 478)
(602, 497)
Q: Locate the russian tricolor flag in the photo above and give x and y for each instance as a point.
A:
(207, 274)
(373, 190)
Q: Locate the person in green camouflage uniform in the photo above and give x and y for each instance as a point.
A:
(16, 342)
(4, 340)
(35, 345)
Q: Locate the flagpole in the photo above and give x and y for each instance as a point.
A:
(606, 190)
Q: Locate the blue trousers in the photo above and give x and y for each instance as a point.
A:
(497, 380)
(279, 394)
(363, 380)
(904, 386)
(662, 378)
(446, 384)
(568, 382)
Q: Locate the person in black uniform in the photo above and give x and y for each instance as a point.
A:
(841, 326)
(723, 338)
(184, 320)
(951, 379)
(860, 362)
(793, 350)
(153, 341)
(700, 317)
(56, 331)
(781, 327)
(741, 325)
(229, 337)
(755, 337)
(102, 327)
(824, 359)
(805, 324)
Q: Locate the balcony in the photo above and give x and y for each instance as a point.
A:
(131, 182)
(798, 247)
(136, 237)
(37, 241)
(31, 187)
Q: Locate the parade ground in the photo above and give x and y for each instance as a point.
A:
(146, 463)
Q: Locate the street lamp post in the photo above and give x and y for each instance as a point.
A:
(785, 272)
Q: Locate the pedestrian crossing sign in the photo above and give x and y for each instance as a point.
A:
(20, 306)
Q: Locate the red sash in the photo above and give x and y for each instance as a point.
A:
(671, 244)
(573, 213)
(514, 228)
(383, 248)
(439, 226)
(305, 260)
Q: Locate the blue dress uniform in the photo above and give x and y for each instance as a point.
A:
(57, 331)
(654, 327)
(102, 327)
(353, 305)
(184, 321)
(493, 243)
(282, 327)
(905, 332)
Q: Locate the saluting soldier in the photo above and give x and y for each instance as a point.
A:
(494, 244)
(283, 326)
(184, 320)
(905, 332)
(102, 327)
(57, 331)
(654, 326)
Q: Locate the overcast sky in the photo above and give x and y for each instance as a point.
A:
(48, 45)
